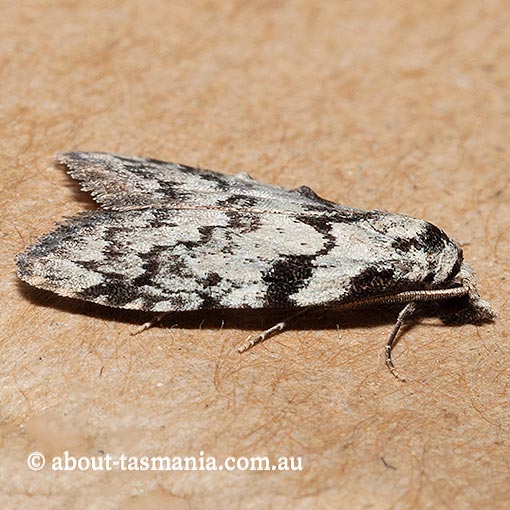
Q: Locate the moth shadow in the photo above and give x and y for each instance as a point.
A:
(249, 320)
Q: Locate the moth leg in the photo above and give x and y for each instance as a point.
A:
(157, 318)
(270, 332)
(404, 314)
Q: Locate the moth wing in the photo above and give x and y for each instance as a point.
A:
(181, 259)
(120, 183)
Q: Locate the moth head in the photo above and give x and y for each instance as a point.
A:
(470, 308)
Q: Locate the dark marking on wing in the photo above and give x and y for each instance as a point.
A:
(285, 277)
(432, 238)
(115, 286)
(375, 281)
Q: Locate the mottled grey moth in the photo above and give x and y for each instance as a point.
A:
(170, 237)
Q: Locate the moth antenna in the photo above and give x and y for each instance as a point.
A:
(404, 314)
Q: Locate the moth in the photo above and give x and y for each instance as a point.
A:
(170, 237)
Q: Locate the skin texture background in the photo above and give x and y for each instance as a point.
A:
(395, 105)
